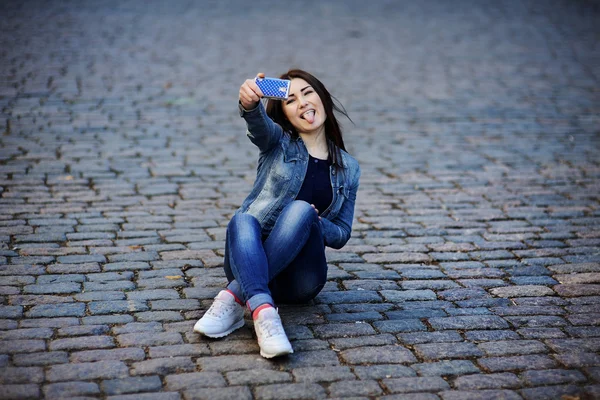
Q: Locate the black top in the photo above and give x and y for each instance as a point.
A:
(316, 188)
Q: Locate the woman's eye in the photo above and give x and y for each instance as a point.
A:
(308, 92)
(289, 101)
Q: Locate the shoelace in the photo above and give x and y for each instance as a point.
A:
(271, 327)
(219, 308)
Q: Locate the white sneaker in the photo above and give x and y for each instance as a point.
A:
(272, 339)
(224, 316)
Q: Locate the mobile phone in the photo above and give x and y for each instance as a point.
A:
(274, 88)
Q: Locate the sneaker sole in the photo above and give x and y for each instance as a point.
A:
(235, 326)
(277, 354)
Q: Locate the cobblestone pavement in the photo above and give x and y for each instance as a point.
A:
(474, 267)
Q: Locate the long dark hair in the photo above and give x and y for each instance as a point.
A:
(333, 131)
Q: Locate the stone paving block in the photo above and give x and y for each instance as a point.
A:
(87, 371)
(147, 396)
(522, 291)
(463, 294)
(347, 389)
(321, 374)
(78, 268)
(122, 354)
(574, 345)
(48, 322)
(21, 346)
(284, 391)
(416, 384)
(590, 318)
(528, 310)
(480, 395)
(583, 331)
(191, 380)
(396, 326)
(134, 384)
(502, 380)
(108, 286)
(41, 359)
(437, 351)
(338, 330)
(578, 359)
(117, 306)
(13, 375)
(56, 288)
(552, 392)
(541, 333)
(381, 371)
(102, 294)
(300, 345)
(378, 355)
(354, 317)
(535, 361)
(155, 339)
(468, 311)
(79, 343)
(510, 347)
(83, 330)
(469, 322)
(32, 333)
(374, 340)
(395, 296)
(415, 313)
(535, 321)
(25, 391)
(256, 377)
(178, 350)
(57, 310)
(411, 396)
(576, 290)
(156, 294)
(231, 392)
(552, 377)
(430, 337)
(446, 368)
(233, 363)
(107, 319)
(70, 389)
(248, 346)
(318, 358)
(163, 366)
(125, 266)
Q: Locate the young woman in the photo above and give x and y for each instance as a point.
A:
(302, 200)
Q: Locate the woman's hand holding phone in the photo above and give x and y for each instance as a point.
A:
(250, 93)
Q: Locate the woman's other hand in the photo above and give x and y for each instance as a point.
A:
(315, 208)
(250, 93)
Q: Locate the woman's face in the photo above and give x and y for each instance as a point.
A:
(304, 108)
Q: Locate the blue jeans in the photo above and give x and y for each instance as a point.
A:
(289, 266)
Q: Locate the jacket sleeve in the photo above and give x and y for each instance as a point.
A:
(261, 130)
(337, 232)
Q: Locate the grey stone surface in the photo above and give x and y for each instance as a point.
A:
(473, 269)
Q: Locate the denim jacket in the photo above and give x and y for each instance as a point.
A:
(282, 165)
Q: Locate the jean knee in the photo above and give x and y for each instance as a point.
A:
(300, 209)
(243, 227)
(242, 221)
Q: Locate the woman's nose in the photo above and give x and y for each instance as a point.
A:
(302, 101)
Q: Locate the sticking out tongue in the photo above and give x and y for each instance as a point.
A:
(309, 117)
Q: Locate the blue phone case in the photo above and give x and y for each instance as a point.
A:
(273, 88)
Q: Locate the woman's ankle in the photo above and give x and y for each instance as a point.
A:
(237, 299)
(259, 309)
